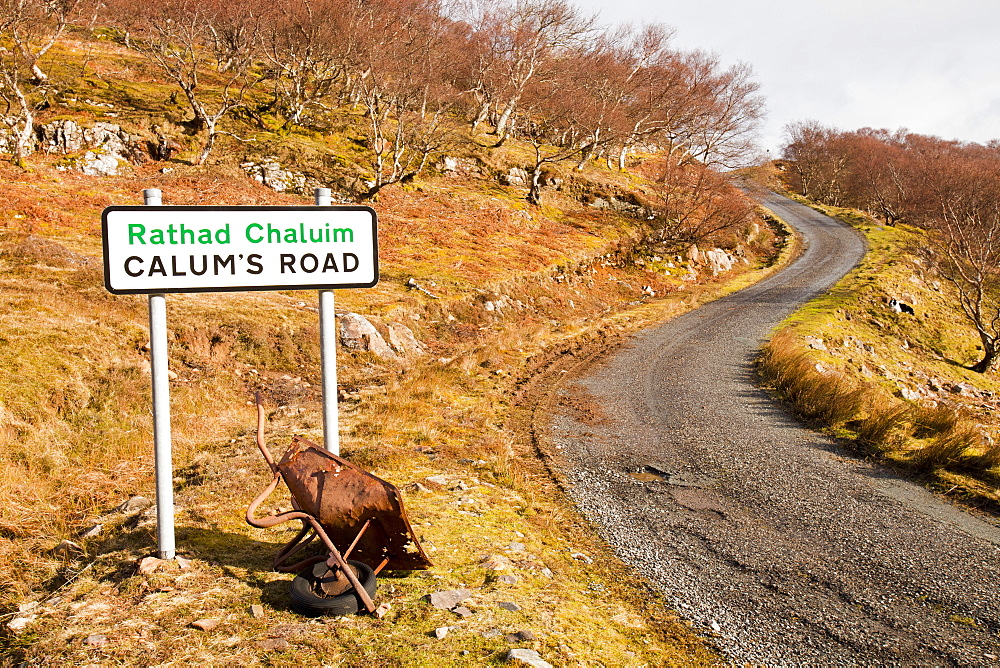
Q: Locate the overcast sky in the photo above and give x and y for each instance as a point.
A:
(931, 67)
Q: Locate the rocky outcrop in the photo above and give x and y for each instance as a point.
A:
(515, 177)
(358, 333)
(455, 166)
(403, 341)
(718, 261)
(106, 147)
(269, 172)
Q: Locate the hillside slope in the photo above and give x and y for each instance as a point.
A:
(505, 287)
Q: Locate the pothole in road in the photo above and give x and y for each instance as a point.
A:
(652, 473)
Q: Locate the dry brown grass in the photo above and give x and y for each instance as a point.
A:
(825, 396)
(947, 449)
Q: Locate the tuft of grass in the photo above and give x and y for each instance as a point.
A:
(884, 425)
(826, 396)
(947, 449)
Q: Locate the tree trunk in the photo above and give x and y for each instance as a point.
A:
(501, 128)
(22, 137)
(481, 116)
(989, 355)
(206, 148)
(535, 189)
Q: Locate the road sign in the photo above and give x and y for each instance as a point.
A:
(155, 250)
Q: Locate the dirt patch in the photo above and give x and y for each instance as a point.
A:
(582, 406)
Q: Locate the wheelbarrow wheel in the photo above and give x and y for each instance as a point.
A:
(305, 600)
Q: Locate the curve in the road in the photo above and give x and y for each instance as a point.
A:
(776, 542)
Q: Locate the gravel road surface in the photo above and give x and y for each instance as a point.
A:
(773, 540)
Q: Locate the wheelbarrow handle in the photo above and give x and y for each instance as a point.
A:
(260, 433)
(276, 519)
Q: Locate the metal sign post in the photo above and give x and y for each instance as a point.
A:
(155, 250)
(162, 445)
(328, 353)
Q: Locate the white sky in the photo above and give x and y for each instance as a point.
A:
(932, 67)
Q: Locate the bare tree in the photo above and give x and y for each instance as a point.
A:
(520, 40)
(28, 29)
(967, 233)
(311, 49)
(207, 48)
(693, 202)
(406, 88)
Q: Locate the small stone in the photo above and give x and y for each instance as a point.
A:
(508, 605)
(171, 374)
(497, 562)
(205, 624)
(463, 611)
(523, 635)
(382, 610)
(446, 600)
(67, 549)
(182, 563)
(417, 487)
(516, 547)
(92, 531)
(528, 657)
(437, 479)
(134, 504)
(18, 624)
(579, 556)
(273, 644)
(492, 633)
(507, 579)
(149, 565)
(257, 611)
(715, 626)
(440, 632)
(547, 573)
(96, 640)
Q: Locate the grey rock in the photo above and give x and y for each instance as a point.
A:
(446, 600)
(516, 547)
(92, 531)
(523, 635)
(358, 333)
(489, 634)
(96, 640)
(508, 605)
(515, 177)
(462, 611)
(507, 579)
(21, 622)
(134, 504)
(67, 549)
(403, 341)
(441, 631)
(270, 173)
(718, 261)
(527, 657)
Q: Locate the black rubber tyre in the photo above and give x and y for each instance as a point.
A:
(305, 601)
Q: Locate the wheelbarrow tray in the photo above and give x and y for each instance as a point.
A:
(343, 498)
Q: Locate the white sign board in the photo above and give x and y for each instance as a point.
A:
(159, 249)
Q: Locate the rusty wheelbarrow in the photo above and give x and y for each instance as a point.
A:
(354, 513)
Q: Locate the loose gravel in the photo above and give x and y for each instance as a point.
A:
(770, 538)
